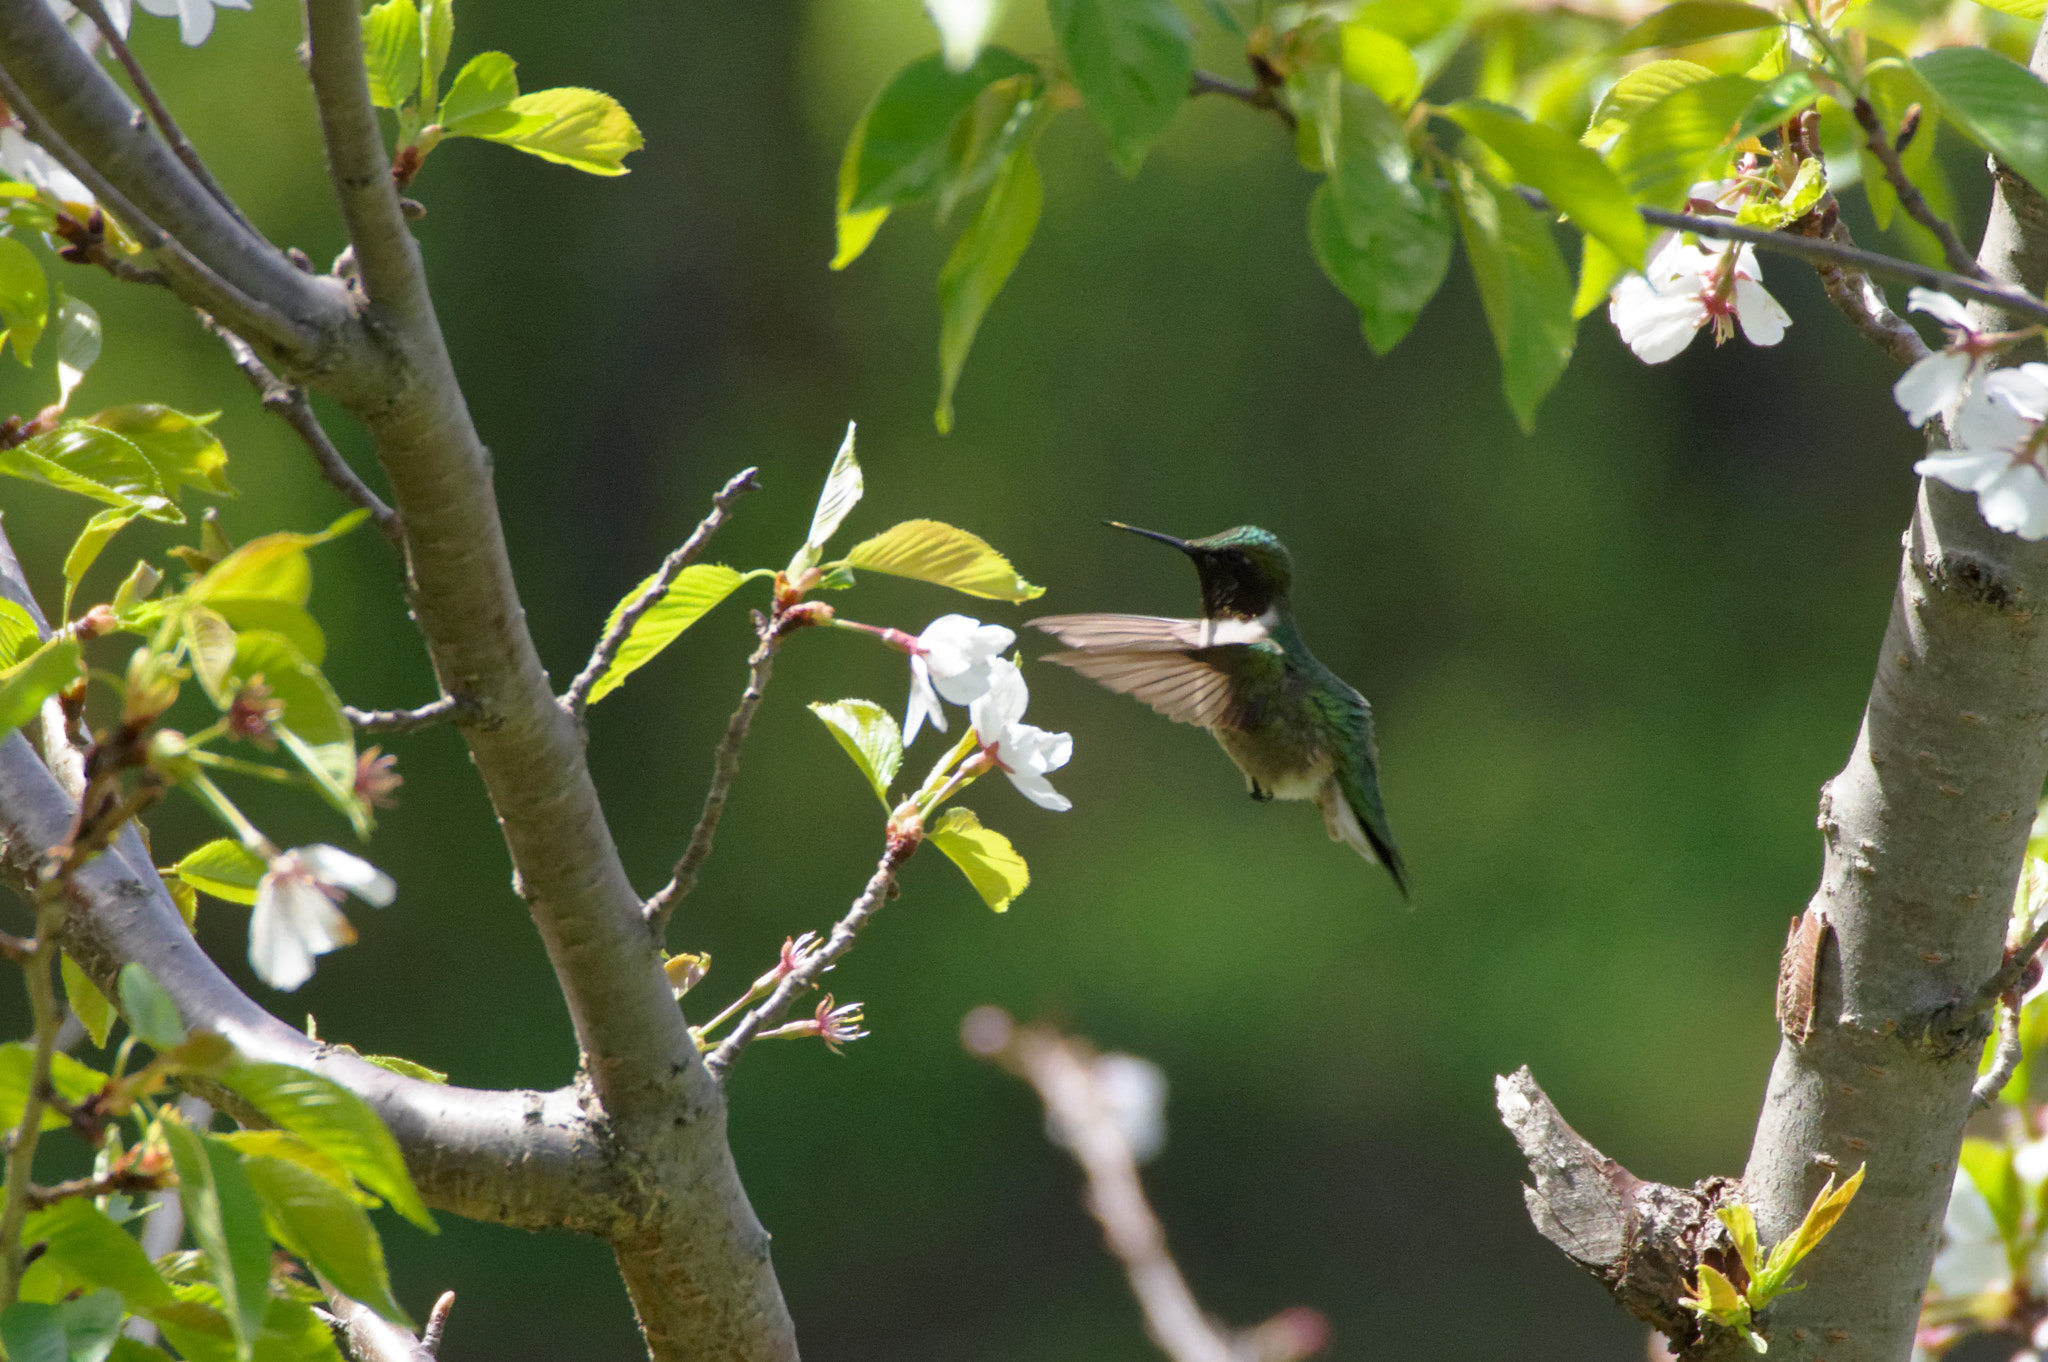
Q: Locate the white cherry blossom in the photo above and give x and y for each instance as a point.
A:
(195, 17)
(950, 659)
(1023, 753)
(1998, 435)
(24, 161)
(1927, 389)
(963, 28)
(296, 917)
(1685, 286)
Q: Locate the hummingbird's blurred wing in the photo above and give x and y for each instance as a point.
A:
(1182, 687)
(1147, 633)
(1182, 668)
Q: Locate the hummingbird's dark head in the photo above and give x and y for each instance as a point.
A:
(1244, 571)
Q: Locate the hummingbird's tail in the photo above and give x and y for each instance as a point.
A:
(1345, 826)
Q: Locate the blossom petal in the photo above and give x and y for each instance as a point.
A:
(1940, 306)
(1964, 470)
(924, 703)
(1039, 791)
(1927, 388)
(2016, 501)
(1654, 325)
(332, 865)
(1763, 321)
(1003, 704)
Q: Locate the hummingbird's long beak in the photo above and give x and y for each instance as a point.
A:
(1180, 544)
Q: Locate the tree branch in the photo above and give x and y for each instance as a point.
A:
(447, 709)
(1864, 304)
(725, 769)
(1910, 198)
(1260, 97)
(577, 698)
(880, 887)
(289, 404)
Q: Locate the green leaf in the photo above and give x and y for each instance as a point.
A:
(312, 728)
(1693, 21)
(324, 1226)
(437, 35)
(24, 298)
(18, 633)
(1009, 114)
(1990, 1169)
(89, 1246)
(1133, 61)
(273, 567)
(691, 596)
(282, 1144)
(82, 458)
(335, 1121)
(2030, 10)
(1821, 1216)
(1717, 1299)
(33, 1332)
(48, 670)
(1741, 1223)
(984, 855)
(900, 149)
(852, 232)
(1381, 63)
(74, 1082)
(179, 447)
(931, 551)
(86, 548)
(151, 1014)
(91, 1326)
(1575, 180)
(1638, 90)
(870, 736)
(843, 489)
(587, 130)
(78, 344)
(1998, 104)
(477, 100)
(1599, 270)
(225, 869)
(391, 52)
(225, 1220)
(245, 613)
(1378, 226)
(1776, 103)
(210, 643)
(130, 1350)
(980, 264)
(399, 1064)
(1681, 138)
(86, 1001)
(1523, 286)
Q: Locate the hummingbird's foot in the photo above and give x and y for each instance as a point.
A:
(1261, 793)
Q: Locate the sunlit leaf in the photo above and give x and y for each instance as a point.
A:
(312, 728)
(335, 1121)
(282, 1144)
(210, 643)
(1998, 104)
(73, 1081)
(77, 332)
(152, 1014)
(18, 633)
(1572, 177)
(693, 594)
(931, 551)
(585, 129)
(225, 1220)
(1599, 271)
(81, 1238)
(984, 855)
(478, 98)
(1990, 1169)
(844, 487)
(324, 1226)
(2029, 10)
(225, 869)
(274, 566)
(48, 670)
(24, 298)
(437, 35)
(1741, 1223)
(82, 458)
(870, 736)
(1693, 21)
(1523, 286)
(391, 52)
(94, 1012)
(899, 150)
(86, 548)
(980, 264)
(31, 1331)
(1133, 61)
(1636, 91)
(1380, 62)
(280, 617)
(181, 448)
(1681, 138)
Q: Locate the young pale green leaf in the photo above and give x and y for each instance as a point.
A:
(225, 1220)
(399, 1064)
(870, 736)
(325, 1227)
(1716, 1298)
(391, 52)
(136, 588)
(1133, 61)
(18, 633)
(210, 644)
(225, 869)
(82, 458)
(1681, 138)
(48, 670)
(1638, 90)
(984, 856)
(85, 1000)
(1381, 63)
(179, 447)
(1996, 102)
(24, 298)
(280, 617)
(2029, 10)
(1523, 286)
(931, 551)
(133, 1350)
(86, 548)
(312, 728)
(690, 597)
(335, 1121)
(437, 35)
(77, 331)
(274, 566)
(88, 1245)
(151, 1014)
(844, 487)
(1378, 226)
(1821, 1216)
(900, 150)
(980, 264)
(1694, 21)
(1741, 1225)
(477, 100)
(285, 1146)
(1599, 271)
(1573, 178)
(1990, 1169)
(74, 1082)
(92, 1325)
(852, 232)
(1776, 103)
(586, 130)
(31, 1331)
(1009, 114)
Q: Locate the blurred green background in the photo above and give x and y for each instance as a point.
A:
(1612, 663)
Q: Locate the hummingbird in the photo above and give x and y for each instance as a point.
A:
(1242, 671)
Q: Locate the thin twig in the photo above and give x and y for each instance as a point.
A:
(577, 698)
(290, 404)
(1864, 304)
(447, 709)
(173, 136)
(1081, 1112)
(2006, 1062)
(2016, 960)
(879, 887)
(1259, 97)
(1910, 198)
(21, 1157)
(725, 768)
